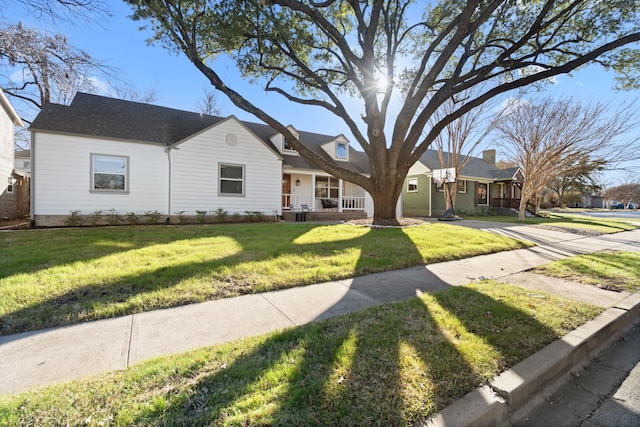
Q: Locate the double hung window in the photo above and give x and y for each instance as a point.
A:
(231, 180)
(109, 173)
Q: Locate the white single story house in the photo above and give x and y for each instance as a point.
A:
(11, 183)
(104, 154)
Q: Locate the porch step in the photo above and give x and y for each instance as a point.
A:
(327, 216)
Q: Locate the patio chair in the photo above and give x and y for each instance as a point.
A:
(305, 212)
(329, 204)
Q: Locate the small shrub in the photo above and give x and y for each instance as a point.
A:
(153, 217)
(113, 217)
(236, 217)
(95, 217)
(201, 216)
(221, 214)
(259, 216)
(74, 220)
(248, 216)
(182, 219)
(132, 218)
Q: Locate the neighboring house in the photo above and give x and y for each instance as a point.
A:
(11, 184)
(100, 153)
(22, 162)
(481, 186)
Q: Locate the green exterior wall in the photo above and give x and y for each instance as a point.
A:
(416, 204)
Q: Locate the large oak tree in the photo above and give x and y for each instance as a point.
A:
(319, 52)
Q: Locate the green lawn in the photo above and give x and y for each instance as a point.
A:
(64, 276)
(391, 365)
(606, 269)
(565, 221)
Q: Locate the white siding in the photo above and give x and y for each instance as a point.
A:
(62, 176)
(418, 169)
(6, 148)
(330, 148)
(195, 172)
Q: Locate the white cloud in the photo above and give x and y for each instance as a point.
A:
(535, 69)
(100, 87)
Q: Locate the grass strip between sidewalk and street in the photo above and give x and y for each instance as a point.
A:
(58, 277)
(607, 269)
(571, 222)
(394, 364)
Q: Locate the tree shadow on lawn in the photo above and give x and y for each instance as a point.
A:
(31, 251)
(394, 364)
(133, 293)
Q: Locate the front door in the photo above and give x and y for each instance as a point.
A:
(286, 190)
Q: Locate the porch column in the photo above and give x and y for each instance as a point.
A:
(430, 181)
(340, 183)
(312, 203)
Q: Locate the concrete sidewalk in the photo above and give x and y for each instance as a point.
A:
(47, 356)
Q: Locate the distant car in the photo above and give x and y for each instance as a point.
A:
(632, 206)
(618, 206)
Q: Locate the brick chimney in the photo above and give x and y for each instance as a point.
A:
(489, 156)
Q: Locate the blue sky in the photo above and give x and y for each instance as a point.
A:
(178, 84)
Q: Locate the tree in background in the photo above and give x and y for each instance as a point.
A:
(62, 10)
(209, 103)
(460, 138)
(583, 178)
(624, 193)
(323, 53)
(39, 68)
(548, 138)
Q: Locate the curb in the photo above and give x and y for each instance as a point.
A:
(495, 403)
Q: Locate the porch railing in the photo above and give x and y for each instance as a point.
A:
(297, 200)
(506, 203)
(353, 203)
(349, 203)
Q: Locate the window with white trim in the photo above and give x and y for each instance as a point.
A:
(10, 185)
(231, 182)
(482, 193)
(327, 187)
(412, 185)
(341, 150)
(109, 173)
(461, 186)
(286, 146)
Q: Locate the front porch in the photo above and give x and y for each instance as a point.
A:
(294, 216)
(505, 206)
(324, 195)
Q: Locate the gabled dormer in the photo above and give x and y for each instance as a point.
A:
(338, 149)
(279, 141)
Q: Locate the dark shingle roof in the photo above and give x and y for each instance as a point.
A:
(100, 116)
(475, 167)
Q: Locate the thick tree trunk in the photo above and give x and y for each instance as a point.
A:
(522, 212)
(385, 199)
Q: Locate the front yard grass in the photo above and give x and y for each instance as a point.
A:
(619, 270)
(564, 221)
(394, 364)
(65, 276)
